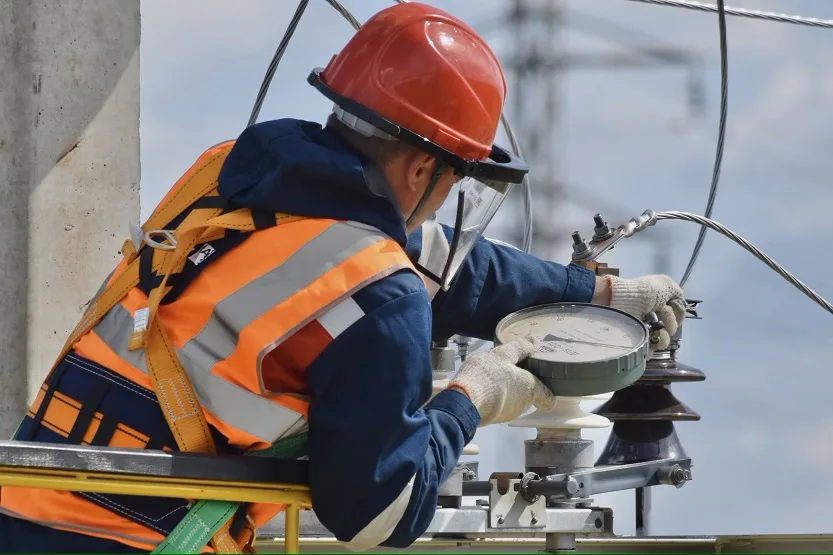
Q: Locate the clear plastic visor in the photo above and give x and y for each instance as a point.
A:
(481, 201)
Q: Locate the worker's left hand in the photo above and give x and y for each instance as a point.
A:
(498, 388)
(654, 293)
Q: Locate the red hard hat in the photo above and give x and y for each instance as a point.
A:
(427, 71)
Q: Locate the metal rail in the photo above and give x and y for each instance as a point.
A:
(798, 543)
(149, 473)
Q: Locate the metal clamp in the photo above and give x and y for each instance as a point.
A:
(509, 508)
(605, 239)
(167, 234)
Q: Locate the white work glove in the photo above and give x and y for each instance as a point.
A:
(654, 293)
(498, 388)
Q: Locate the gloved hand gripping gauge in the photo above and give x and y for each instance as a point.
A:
(586, 349)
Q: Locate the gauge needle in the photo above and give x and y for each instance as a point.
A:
(551, 337)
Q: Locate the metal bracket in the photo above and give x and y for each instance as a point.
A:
(466, 522)
(605, 479)
(509, 508)
(605, 240)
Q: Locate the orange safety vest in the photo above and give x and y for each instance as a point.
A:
(243, 330)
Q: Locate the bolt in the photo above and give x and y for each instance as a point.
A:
(598, 523)
(573, 486)
(675, 476)
(678, 476)
(601, 231)
(579, 245)
(533, 520)
(500, 519)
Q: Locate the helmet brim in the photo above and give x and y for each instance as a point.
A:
(500, 169)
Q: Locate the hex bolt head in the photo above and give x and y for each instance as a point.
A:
(678, 476)
(572, 486)
(579, 244)
(601, 231)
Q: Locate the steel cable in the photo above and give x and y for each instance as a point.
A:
(721, 137)
(754, 14)
(273, 65)
(345, 13)
(758, 253)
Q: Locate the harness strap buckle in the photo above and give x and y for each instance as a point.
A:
(168, 236)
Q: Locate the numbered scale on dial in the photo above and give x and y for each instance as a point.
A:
(585, 349)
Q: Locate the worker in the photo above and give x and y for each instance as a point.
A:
(320, 319)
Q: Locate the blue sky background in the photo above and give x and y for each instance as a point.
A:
(763, 449)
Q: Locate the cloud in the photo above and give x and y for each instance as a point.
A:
(812, 446)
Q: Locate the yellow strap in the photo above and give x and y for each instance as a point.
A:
(170, 262)
(176, 395)
(223, 542)
(201, 182)
(173, 389)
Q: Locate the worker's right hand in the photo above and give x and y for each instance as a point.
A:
(653, 293)
(499, 389)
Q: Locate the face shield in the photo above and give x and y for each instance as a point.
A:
(482, 187)
(477, 201)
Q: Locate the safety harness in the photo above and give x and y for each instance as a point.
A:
(192, 214)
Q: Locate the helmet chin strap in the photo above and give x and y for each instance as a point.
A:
(455, 239)
(458, 222)
(435, 177)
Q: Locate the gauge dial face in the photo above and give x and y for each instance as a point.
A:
(577, 333)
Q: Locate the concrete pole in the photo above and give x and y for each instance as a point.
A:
(69, 173)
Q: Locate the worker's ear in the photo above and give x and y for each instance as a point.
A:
(419, 169)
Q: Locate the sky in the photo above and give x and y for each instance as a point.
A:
(761, 452)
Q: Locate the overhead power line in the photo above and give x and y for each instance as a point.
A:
(754, 14)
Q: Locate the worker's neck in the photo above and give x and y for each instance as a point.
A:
(375, 177)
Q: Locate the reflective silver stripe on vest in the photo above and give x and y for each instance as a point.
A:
(340, 317)
(230, 403)
(334, 245)
(335, 319)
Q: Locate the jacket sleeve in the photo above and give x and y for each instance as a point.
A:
(495, 280)
(377, 456)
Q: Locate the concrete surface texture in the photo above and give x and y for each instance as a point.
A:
(69, 173)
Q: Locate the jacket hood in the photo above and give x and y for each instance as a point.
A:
(301, 168)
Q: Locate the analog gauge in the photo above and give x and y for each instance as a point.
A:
(582, 345)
